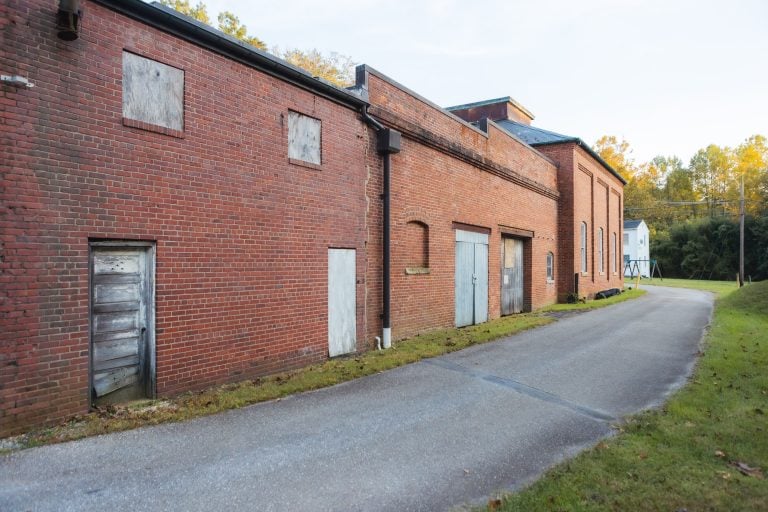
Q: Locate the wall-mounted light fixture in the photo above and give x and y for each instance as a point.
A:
(68, 19)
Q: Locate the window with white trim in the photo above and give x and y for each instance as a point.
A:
(600, 259)
(550, 267)
(583, 247)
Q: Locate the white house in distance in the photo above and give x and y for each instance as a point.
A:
(636, 247)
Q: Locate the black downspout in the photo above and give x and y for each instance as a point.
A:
(387, 142)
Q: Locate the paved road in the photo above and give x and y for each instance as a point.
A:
(429, 436)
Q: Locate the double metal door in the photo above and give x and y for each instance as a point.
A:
(471, 292)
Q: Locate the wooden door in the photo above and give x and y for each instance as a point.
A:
(342, 303)
(512, 273)
(121, 308)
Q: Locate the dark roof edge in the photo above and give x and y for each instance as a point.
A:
(589, 150)
(193, 31)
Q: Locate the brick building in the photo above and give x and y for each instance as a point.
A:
(180, 209)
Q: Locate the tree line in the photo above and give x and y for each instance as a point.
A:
(335, 67)
(692, 209)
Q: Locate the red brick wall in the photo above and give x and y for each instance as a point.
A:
(591, 194)
(436, 188)
(242, 235)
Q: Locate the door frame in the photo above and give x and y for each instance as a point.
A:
(524, 241)
(150, 250)
(474, 236)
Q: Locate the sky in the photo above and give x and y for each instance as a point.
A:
(669, 76)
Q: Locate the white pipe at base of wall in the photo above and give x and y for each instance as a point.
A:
(387, 337)
(378, 342)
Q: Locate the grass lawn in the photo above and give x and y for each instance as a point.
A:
(706, 449)
(232, 396)
(719, 287)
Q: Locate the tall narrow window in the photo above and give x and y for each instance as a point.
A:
(583, 247)
(550, 267)
(614, 254)
(600, 259)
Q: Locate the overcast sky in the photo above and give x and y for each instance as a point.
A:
(670, 76)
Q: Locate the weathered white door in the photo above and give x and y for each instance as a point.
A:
(342, 303)
(121, 320)
(512, 276)
(471, 285)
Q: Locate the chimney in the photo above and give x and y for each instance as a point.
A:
(495, 110)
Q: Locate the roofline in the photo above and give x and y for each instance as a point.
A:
(507, 99)
(205, 36)
(361, 83)
(588, 149)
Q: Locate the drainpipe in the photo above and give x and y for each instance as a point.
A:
(387, 143)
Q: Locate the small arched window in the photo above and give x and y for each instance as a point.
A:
(550, 266)
(583, 247)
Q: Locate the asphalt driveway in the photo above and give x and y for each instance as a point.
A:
(428, 436)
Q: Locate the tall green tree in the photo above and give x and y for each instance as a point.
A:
(230, 24)
(335, 68)
(198, 11)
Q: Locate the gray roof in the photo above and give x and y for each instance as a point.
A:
(532, 135)
(632, 224)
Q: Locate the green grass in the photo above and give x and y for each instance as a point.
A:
(232, 396)
(684, 456)
(595, 304)
(718, 287)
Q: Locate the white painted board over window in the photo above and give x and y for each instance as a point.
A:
(304, 134)
(153, 92)
(342, 323)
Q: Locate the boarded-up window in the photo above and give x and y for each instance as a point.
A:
(304, 138)
(153, 92)
(417, 245)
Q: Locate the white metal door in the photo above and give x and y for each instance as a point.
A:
(342, 322)
(471, 285)
(121, 317)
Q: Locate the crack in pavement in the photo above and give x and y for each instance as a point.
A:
(523, 389)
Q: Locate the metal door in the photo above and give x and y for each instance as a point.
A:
(121, 309)
(512, 276)
(471, 285)
(342, 318)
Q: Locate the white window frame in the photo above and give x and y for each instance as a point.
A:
(584, 255)
(600, 252)
(550, 267)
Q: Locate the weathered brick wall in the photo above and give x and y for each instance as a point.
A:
(567, 256)
(591, 194)
(432, 186)
(241, 234)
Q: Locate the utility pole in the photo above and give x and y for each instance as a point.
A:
(741, 234)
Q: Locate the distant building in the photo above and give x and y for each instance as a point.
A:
(636, 247)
